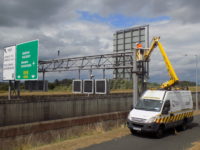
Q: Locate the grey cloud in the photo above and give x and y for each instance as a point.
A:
(182, 10)
(37, 13)
(81, 39)
(75, 39)
(56, 25)
(188, 11)
(178, 40)
(31, 13)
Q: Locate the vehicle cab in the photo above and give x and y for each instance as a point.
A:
(158, 110)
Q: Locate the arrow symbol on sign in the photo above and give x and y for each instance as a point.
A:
(33, 63)
(33, 76)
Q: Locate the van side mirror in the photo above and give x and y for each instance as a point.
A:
(165, 110)
(131, 107)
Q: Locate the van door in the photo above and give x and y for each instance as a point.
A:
(166, 113)
(166, 108)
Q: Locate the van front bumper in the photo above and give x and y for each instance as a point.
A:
(146, 127)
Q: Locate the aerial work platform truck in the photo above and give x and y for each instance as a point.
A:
(158, 110)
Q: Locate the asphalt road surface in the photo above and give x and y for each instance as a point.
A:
(180, 141)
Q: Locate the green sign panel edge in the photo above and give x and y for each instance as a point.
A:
(27, 60)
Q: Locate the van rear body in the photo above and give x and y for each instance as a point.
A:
(158, 110)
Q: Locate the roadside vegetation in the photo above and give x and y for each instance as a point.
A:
(115, 85)
(95, 136)
(195, 146)
(90, 136)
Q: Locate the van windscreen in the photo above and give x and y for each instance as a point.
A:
(149, 105)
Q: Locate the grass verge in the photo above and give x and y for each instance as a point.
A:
(195, 146)
(95, 136)
(87, 140)
(37, 140)
(68, 92)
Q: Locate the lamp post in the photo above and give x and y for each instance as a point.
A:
(196, 61)
(197, 104)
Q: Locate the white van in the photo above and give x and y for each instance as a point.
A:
(158, 110)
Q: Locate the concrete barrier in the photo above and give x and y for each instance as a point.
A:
(40, 108)
(40, 133)
(30, 128)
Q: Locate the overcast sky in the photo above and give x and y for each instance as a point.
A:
(79, 27)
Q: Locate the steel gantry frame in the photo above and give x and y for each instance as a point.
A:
(94, 62)
(104, 61)
(139, 69)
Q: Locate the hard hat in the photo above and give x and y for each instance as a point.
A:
(138, 45)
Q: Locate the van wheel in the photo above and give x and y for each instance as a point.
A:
(183, 127)
(160, 132)
(132, 131)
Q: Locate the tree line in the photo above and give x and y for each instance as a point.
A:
(66, 84)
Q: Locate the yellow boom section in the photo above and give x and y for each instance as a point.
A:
(173, 77)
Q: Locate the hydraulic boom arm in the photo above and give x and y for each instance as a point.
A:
(173, 77)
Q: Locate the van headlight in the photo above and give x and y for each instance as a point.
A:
(151, 120)
(129, 116)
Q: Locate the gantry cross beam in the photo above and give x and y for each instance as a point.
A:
(104, 61)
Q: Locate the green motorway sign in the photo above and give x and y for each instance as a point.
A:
(27, 61)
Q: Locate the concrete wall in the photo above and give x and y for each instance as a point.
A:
(41, 108)
(34, 109)
(27, 136)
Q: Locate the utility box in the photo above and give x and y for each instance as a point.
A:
(101, 86)
(37, 85)
(77, 86)
(88, 86)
